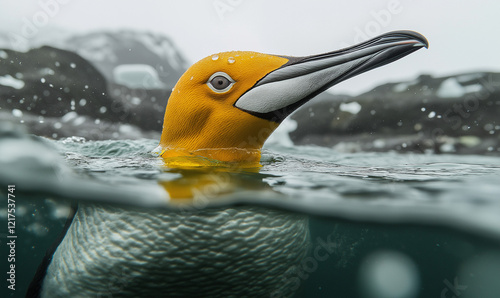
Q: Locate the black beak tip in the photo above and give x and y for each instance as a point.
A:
(415, 36)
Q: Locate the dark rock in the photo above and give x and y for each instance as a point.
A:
(52, 83)
(124, 77)
(449, 114)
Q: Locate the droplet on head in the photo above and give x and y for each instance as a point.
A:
(215, 57)
(231, 60)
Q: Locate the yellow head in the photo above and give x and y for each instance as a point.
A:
(226, 105)
(200, 116)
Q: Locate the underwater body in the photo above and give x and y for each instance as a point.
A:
(363, 224)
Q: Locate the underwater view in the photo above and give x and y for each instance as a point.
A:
(134, 163)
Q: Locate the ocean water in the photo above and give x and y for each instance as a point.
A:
(387, 224)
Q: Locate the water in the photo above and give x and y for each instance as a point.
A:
(382, 224)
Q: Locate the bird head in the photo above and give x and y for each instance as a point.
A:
(225, 106)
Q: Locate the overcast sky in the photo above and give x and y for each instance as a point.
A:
(463, 35)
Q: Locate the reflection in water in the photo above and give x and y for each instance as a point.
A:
(186, 252)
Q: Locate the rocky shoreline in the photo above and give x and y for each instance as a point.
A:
(453, 114)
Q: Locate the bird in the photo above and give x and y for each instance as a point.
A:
(220, 112)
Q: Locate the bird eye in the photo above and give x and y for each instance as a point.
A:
(220, 82)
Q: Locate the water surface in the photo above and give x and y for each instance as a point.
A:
(431, 221)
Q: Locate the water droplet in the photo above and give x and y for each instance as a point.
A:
(432, 114)
(231, 60)
(86, 86)
(42, 80)
(73, 65)
(215, 57)
(103, 110)
(422, 109)
(82, 102)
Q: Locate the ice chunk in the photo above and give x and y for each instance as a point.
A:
(450, 88)
(352, 107)
(281, 136)
(404, 86)
(69, 116)
(17, 113)
(137, 76)
(9, 81)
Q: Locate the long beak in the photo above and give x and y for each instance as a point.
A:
(285, 89)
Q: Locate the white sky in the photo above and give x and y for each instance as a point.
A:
(463, 35)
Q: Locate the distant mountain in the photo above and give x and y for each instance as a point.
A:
(151, 61)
